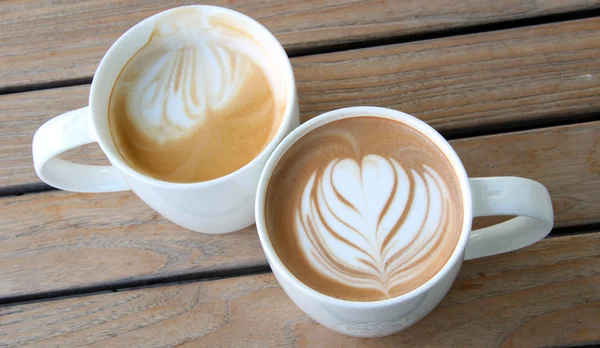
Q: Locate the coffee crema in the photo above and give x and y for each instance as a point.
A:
(364, 209)
(198, 101)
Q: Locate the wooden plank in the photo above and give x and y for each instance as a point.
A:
(485, 80)
(545, 295)
(42, 41)
(74, 240)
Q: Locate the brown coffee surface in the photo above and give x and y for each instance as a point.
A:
(197, 102)
(364, 209)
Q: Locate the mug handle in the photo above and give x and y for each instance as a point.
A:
(62, 133)
(527, 199)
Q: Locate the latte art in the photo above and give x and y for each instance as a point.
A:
(169, 99)
(193, 68)
(201, 99)
(371, 225)
(363, 209)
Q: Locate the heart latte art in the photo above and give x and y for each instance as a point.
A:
(372, 225)
(198, 101)
(363, 209)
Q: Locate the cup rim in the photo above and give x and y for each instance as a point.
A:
(351, 112)
(288, 113)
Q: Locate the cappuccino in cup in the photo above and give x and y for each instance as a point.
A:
(198, 101)
(187, 105)
(364, 215)
(364, 209)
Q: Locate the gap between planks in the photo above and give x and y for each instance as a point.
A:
(119, 286)
(204, 276)
(341, 47)
(446, 33)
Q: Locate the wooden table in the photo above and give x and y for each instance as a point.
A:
(514, 84)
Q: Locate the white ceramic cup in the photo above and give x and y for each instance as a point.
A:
(221, 205)
(524, 198)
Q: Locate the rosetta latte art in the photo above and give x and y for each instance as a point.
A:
(199, 100)
(193, 67)
(374, 224)
(171, 97)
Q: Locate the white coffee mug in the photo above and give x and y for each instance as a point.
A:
(221, 205)
(524, 198)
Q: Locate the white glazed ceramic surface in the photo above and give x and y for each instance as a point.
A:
(527, 199)
(221, 205)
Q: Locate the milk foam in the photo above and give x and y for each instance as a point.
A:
(201, 99)
(371, 224)
(364, 209)
(192, 68)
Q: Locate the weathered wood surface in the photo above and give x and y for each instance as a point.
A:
(545, 295)
(72, 240)
(465, 82)
(43, 41)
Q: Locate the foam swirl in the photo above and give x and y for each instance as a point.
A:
(194, 66)
(199, 100)
(373, 225)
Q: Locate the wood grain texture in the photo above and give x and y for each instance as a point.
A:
(480, 80)
(485, 80)
(43, 41)
(74, 240)
(545, 295)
